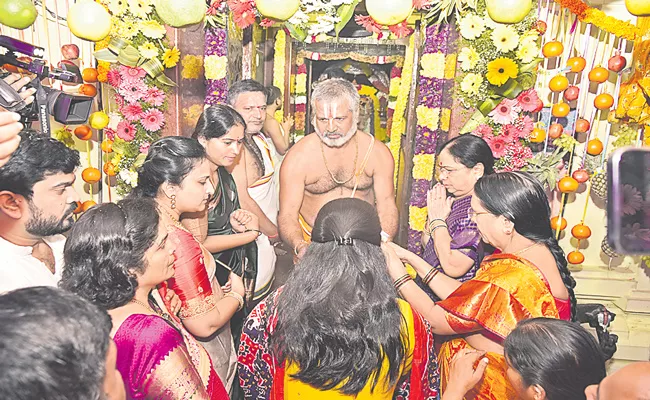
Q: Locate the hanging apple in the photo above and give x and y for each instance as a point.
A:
(180, 13)
(639, 8)
(280, 10)
(17, 14)
(89, 20)
(389, 12)
(70, 51)
(508, 11)
(617, 62)
(571, 93)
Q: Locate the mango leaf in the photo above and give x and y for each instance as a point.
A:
(295, 32)
(345, 12)
(139, 160)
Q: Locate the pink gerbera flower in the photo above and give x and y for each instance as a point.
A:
(132, 112)
(498, 146)
(632, 200)
(132, 90)
(483, 131)
(508, 133)
(126, 131)
(155, 97)
(529, 101)
(506, 112)
(144, 147)
(119, 100)
(114, 78)
(524, 126)
(152, 120)
(132, 73)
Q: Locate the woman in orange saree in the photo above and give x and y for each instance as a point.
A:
(512, 214)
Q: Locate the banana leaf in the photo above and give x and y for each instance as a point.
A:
(295, 32)
(345, 12)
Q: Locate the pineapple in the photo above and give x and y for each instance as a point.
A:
(544, 167)
(599, 184)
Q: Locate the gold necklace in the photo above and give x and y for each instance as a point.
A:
(354, 168)
(524, 249)
(148, 307)
(175, 221)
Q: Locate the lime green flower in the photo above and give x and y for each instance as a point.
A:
(148, 50)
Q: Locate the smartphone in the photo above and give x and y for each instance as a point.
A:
(628, 201)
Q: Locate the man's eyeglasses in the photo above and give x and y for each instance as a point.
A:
(472, 214)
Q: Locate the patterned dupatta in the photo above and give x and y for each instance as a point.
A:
(261, 377)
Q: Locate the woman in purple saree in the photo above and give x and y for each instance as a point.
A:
(452, 243)
(115, 257)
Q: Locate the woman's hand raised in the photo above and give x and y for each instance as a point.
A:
(438, 204)
(396, 268)
(242, 220)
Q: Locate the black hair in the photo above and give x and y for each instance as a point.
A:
(272, 94)
(170, 159)
(53, 345)
(520, 198)
(561, 357)
(216, 121)
(334, 72)
(244, 86)
(105, 249)
(470, 150)
(337, 317)
(36, 157)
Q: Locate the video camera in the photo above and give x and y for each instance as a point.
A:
(66, 108)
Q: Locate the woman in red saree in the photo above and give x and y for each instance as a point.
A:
(512, 214)
(176, 174)
(336, 330)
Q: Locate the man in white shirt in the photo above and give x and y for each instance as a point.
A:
(37, 203)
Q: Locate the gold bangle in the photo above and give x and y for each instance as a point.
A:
(402, 283)
(237, 297)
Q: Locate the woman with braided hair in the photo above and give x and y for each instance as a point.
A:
(528, 279)
(337, 330)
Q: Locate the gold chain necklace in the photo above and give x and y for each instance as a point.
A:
(148, 307)
(524, 249)
(354, 168)
(175, 221)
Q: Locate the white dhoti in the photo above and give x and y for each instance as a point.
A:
(265, 193)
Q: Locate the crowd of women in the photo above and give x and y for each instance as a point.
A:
(487, 317)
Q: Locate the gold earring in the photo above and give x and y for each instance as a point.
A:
(173, 201)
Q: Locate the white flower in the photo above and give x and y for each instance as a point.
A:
(140, 8)
(468, 58)
(299, 18)
(505, 38)
(129, 177)
(118, 7)
(527, 51)
(471, 83)
(471, 26)
(325, 24)
(114, 119)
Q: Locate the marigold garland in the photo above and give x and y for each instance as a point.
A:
(598, 18)
(278, 66)
(399, 125)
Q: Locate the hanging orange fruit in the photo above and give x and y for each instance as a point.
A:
(554, 221)
(582, 125)
(581, 231)
(88, 90)
(83, 132)
(537, 135)
(575, 257)
(89, 75)
(109, 169)
(577, 64)
(603, 101)
(558, 83)
(79, 207)
(594, 147)
(598, 75)
(560, 110)
(555, 130)
(107, 146)
(567, 185)
(552, 49)
(87, 205)
(91, 175)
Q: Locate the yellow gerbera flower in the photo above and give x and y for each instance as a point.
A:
(171, 57)
(215, 67)
(527, 51)
(471, 83)
(148, 50)
(500, 70)
(152, 29)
